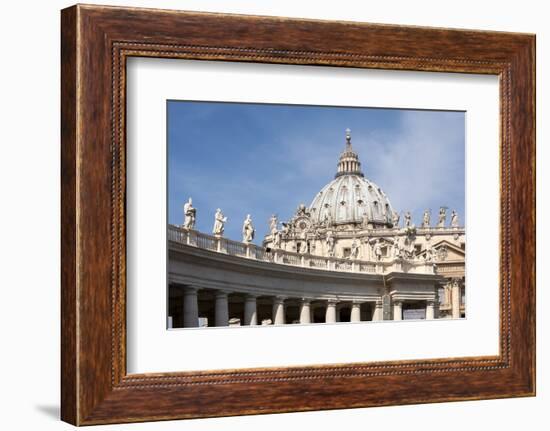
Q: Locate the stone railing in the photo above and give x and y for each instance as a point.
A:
(251, 251)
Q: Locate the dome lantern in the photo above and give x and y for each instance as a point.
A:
(349, 163)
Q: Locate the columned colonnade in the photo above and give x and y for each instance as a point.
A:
(309, 309)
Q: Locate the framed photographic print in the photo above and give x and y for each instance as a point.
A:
(259, 205)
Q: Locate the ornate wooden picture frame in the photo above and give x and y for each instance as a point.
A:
(96, 41)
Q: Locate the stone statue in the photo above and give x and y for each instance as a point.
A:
(377, 248)
(273, 222)
(354, 249)
(219, 223)
(302, 210)
(454, 219)
(426, 219)
(442, 217)
(190, 215)
(429, 252)
(396, 248)
(248, 230)
(408, 219)
(286, 228)
(276, 236)
(409, 242)
(330, 243)
(395, 219)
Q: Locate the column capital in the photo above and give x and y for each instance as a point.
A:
(222, 293)
(332, 302)
(190, 290)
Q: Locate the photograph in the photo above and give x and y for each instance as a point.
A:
(284, 214)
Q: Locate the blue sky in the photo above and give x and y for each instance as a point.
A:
(262, 159)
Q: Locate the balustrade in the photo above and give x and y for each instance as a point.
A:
(252, 251)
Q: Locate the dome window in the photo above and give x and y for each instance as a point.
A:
(360, 202)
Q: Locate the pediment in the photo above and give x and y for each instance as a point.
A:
(445, 251)
(453, 252)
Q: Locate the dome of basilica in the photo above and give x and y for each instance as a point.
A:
(351, 198)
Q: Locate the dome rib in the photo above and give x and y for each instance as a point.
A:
(358, 202)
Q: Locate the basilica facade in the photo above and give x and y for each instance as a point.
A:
(347, 257)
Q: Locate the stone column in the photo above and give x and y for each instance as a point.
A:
(250, 313)
(455, 299)
(190, 308)
(397, 310)
(387, 313)
(279, 311)
(305, 311)
(378, 311)
(221, 309)
(355, 312)
(330, 315)
(430, 310)
(448, 296)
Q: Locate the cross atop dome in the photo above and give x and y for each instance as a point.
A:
(349, 163)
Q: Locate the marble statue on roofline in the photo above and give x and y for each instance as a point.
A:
(426, 219)
(190, 215)
(442, 216)
(454, 219)
(248, 230)
(219, 223)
